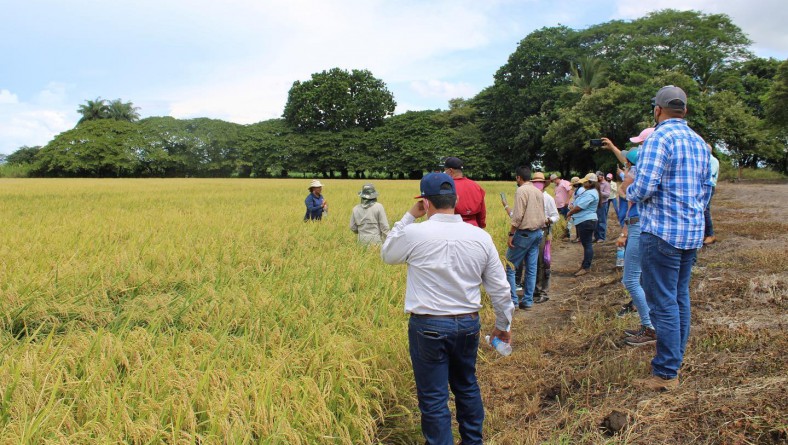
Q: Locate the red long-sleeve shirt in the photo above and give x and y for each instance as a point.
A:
(470, 202)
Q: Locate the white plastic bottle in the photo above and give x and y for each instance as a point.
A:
(501, 346)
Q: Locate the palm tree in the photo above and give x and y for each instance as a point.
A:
(92, 110)
(588, 75)
(121, 111)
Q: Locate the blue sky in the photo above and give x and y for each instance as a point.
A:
(236, 59)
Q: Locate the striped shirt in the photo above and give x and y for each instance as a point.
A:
(673, 184)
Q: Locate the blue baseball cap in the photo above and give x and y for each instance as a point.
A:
(632, 156)
(431, 185)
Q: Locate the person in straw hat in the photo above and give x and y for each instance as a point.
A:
(368, 219)
(315, 203)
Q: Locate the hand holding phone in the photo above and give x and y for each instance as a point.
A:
(503, 199)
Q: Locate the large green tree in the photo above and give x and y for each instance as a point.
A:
(336, 100)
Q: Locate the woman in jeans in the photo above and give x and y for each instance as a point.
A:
(584, 217)
(630, 237)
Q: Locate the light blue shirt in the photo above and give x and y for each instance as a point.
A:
(714, 164)
(588, 201)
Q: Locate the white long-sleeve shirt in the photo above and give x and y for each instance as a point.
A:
(550, 209)
(447, 261)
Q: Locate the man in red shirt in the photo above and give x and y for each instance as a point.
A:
(470, 196)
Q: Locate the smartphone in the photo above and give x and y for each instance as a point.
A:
(596, 142)
(503, 197)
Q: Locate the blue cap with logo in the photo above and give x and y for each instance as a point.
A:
(431, 185)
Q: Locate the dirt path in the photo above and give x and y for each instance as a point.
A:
(570, 376)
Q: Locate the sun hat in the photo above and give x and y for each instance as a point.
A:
(575, 180)
(599, 173)
(553, 176)
(589, 177)
(671, 97)
(368, 192)
(315, 183)
(452, 162)
(538, 177)
(431, 185)
(642, 136)
(609, 176)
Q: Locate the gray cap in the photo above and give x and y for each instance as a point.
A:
(671, 97)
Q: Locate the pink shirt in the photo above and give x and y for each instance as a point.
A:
(562, 193)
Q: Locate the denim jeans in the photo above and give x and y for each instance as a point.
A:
(666, 280)
(632, 271)
(526, 247)
(443, 350)
(585, 232)
(709, 227)
(601, 224)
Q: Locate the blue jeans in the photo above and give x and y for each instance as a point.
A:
(632, 271)
(601, 224)
(526, 247)
(709, 228)
(585, 232)
(666, 279)
(443, 350)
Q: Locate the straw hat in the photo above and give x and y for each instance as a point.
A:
(315, 183)
(575, 180)
(589, 177)
(538, 177)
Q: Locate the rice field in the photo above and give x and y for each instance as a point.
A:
(199, 311)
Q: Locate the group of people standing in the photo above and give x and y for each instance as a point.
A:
(665, 190)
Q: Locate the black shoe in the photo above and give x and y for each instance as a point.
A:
(541, 299)
(626, 309)
(524, 307)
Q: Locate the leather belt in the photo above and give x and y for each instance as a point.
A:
(632, 220)
(471, 315)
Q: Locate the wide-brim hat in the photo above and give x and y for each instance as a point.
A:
(314, 184)
(575, 180)
(368, 192)
(589, 177)
(538, 177)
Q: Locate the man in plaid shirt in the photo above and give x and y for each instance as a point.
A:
(672, 188)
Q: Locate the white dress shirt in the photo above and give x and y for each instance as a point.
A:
(447, 261)
(550, 209)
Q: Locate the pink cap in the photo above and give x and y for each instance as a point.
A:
(642, 136)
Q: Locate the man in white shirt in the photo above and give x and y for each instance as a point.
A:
(447, 261)
(551, 217)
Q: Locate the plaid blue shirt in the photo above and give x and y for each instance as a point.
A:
(673, 184)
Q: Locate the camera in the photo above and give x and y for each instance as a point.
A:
(596, 142)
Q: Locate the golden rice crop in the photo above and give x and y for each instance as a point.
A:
(198, 311)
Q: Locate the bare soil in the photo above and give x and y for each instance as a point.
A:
(570, 377)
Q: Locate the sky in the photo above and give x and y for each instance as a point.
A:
(236, 60)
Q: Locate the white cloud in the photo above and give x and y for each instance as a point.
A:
(32, 123)
(7, 97)
(443, 90)
(762, 20)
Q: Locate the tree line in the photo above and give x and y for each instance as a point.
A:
(558, 89)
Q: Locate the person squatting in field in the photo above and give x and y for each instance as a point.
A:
(368, 218)
(447, 262)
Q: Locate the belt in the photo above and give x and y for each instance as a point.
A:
(471, 315)
(529, 230)
(632, 220)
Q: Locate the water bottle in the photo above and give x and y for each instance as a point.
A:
(501, 346)
(620, 256)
